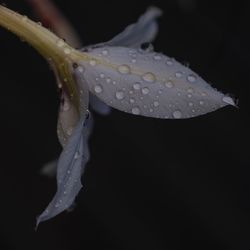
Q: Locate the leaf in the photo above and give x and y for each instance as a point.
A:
(149, 84)
(70, 167)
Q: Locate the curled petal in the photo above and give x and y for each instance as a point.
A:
(70, 166)
(149, 84)
(143, 31)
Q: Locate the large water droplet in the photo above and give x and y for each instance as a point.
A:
(124, 69)
(119, 95)
(145, 91)
(177, 114)
(136, 111)
(148, 77)
(98, 89)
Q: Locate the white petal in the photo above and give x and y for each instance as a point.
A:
(98, 106)
(69, 170)
(149, 84)
(144, 30)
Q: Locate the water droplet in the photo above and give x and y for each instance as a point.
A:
(124, 69)
(66, 106)
(119, 95)
(156, 104)
(145, 91)
(80, 69)
(204, 94)
(69, 131)
(190, 104)
(132, 100)
(105, 52)
(136, 111)
(157, 57)
(169, 84)
(98, 89)
(148, 77)
(190, 90)
(177, 114)
(178, 74)
(191, 78)
(137, 86)
(60, 43)
(92, 62)
(169, 62)
(201, 103)
(133, 60)
(76, 156)
(151, 110)
(102, 75)
(228, 100)
(189, 96)
(108, 80)
(24, 18)
(67, 51)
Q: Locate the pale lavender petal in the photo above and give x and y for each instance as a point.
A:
(98, 106)
(70, 167)
(149, 84)
(143, 31)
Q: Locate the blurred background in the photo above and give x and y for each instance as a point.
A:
(150, 184)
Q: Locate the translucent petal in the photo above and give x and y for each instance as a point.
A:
(143, 31)
(149, 84)
(98, 106)
(70, 166)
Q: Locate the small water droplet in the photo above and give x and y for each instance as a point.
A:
(132, 100)
(137, 86)
(98, 89)
(133, 60)
(190, 90)
(189, 96)
(157, 57)
(190, 104)
(105, 52)
(92, 62)
(80, 69)
(24, 18)
(66, 106)
(156, 104)
(124, 69)
(177, 114)
(191, 78)
(178, 74)
(204, 94)
(69, 131)
(201, 103)
(108, 80)
(148, 77)
(114, 82)
(119, 95)
(145, 91)
(67, 51)
(169, 84)
(102, 75)
(136, 111)
(228, 100)
(76, 156)
(169, 62)
(60, 43)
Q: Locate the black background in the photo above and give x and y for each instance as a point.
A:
(150, 184)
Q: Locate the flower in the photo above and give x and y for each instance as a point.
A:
(126, 74)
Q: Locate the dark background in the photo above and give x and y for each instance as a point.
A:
(150, 184)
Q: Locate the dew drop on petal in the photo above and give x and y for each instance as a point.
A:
(119, 95)
(66, 51)
(60, 43)
(191, 78)
(177, 114)
(124, 69)
(178, 74)
(145, 91)
(137, 86)
(105, 52)
(169, 62)
(98, 89)
(92, 62)
(148, 77)
(136, 111)
(169, 84)
(156, 104)
(132, 100)
(102, 75)
(157, 57)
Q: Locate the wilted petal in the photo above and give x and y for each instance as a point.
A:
(149, 84)
(71, 164)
